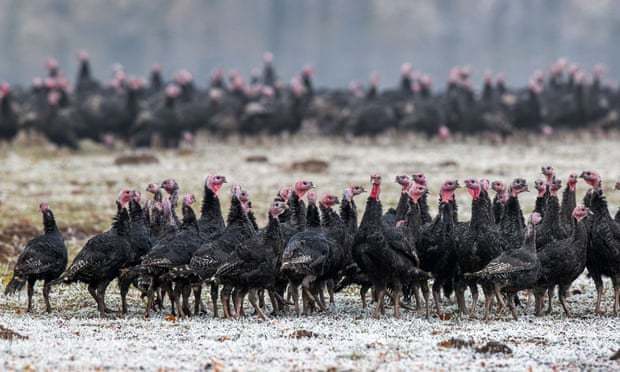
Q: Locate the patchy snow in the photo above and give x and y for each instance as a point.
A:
(81, 187)
(348, 339)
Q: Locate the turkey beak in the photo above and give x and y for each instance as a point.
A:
(336, 201)
(583, 175)
(527, 189)
(457, 185)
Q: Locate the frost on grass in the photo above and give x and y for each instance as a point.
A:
(74, 337)
(80, 188)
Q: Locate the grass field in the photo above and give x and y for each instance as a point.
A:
(81, 188)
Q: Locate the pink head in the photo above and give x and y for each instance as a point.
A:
(267, 58)
(277, 208)
(555, 186)
(473, 188)
(498, 186)
(352, 191)
(285, 193)
(416, 192)
(43, 207)
(443, 133)
(404, 181)
(535, 218)
(375, 190)
(311, 195)
(152, 188)
(172, 91)
(541, 187)
(308, 71)
(572, 181)
(5, 88)
(447, 190)
(548, 172)
(136, 196)
(485, 184)
(170, 185)
(214, 183)
(419, 178)
(189, 199)
(406, 69)
(124, 196)
(518, 186)
(302, 187)
(580, 212)
(375, 79)
(83, 55)
(51, 63)
(53, 98)
(329, 200)
(592, 178)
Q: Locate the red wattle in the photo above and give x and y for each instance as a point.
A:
(375, 190)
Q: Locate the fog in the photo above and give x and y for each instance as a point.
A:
(343, 40)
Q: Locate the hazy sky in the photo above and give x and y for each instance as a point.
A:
(344, 39)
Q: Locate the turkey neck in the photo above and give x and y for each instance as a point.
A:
(414, 219)
(512, 212)
(480, 216)
(328, 217)
(348, 214)
(551, 222)
(423, 203)
(403, 206)
(49, 223)
(84, 70)
(273, 234)
(298, 211)
(540, 205)
(136, 213)
(569, 202)
(581, 236)
(375, 190)
(312, 216)
(121, 222)
(6, 108)
(530, 238)
(189, 218)
(211, 210)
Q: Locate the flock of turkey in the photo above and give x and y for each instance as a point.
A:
(308, 246)
(168, 114)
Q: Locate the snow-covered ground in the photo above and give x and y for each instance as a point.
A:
(80, 188)
(74, 338)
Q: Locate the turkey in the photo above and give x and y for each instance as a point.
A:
(604, 249)
(551, 229)
(8, 117)
(569, 202)
(499, 201)
(512, 225)
(215, 251)
(392, 216)
(383, 253)
(511, 271)
(44, 258)
(617, 218)
(562, 261)
(539, 205)
(255, 264)
(482, 240)
(315, 254)
(103, 256)
(436, 243)
(141, 244)
(174, 251)
(420, 179)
